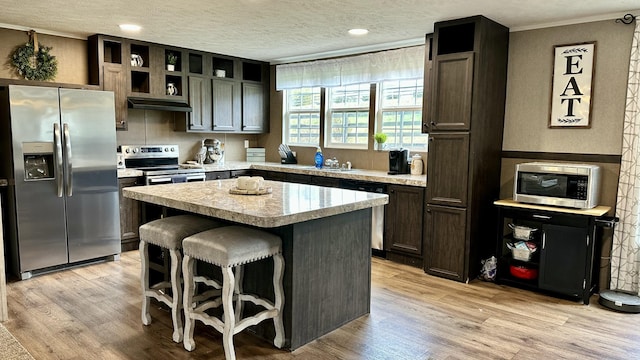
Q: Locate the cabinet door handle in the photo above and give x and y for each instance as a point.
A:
(544, 240)
(541, 216)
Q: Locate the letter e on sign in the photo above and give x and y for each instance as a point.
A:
(573, 67)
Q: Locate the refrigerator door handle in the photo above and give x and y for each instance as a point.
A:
(67, 148)
(58, 157)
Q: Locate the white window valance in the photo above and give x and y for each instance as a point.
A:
(405, 63)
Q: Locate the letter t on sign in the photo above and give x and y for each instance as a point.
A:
(573, 68)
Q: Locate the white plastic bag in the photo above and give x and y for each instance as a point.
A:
(488, 271)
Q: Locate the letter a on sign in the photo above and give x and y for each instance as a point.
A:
(573, 69)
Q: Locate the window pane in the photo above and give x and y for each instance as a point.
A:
(302, 116)
(303, 99)
(352, 96)
(349, 127)
(348, 115)
(402, 93)
(404, 129)
(401, 114)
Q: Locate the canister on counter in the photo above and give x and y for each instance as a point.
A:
(416, 164)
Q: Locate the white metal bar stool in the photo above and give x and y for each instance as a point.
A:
(229, 248)
(168, 233)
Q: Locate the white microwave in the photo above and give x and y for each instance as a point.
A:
(557, 184)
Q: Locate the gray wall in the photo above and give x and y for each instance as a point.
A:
(529, 94)
(529, 89)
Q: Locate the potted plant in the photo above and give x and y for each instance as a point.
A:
(380, 139)
(172, 59)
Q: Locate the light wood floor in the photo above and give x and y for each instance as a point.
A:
(93, 312)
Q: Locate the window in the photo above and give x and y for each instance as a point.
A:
(400, 114)
(347, 117)
(302, 116)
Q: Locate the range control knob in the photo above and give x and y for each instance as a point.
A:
(166, 149)
(173, 150)
(127, 150)
(135, 150)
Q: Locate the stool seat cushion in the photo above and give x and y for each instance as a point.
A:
(170, 231)
(232, 245)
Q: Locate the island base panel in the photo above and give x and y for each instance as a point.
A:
(327, 279)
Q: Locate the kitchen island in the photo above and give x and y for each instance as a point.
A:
(326, 240)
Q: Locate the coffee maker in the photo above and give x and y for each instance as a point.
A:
(398, 161)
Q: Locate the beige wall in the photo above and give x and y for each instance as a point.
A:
(156, 127)
(529, 89)
(73, 64)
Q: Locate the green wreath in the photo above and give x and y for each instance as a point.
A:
(43, 68)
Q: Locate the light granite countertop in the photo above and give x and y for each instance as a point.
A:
(355, 174)
(288, 203)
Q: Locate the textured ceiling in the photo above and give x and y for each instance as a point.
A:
(288, 30)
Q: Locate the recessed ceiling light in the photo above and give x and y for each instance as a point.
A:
(130, 27)
(358, 31)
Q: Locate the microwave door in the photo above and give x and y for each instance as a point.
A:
(543, 184)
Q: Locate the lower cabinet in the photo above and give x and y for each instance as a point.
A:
(130, 216)
(445, 241)
(269, 175)
(563, 259)
(403, 224)
(218, 175)
(325, 181)
(565, 250)
(237, 173)
(298, 178)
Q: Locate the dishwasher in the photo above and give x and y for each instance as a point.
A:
(377, 212)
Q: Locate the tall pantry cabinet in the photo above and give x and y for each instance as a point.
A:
(465, 120)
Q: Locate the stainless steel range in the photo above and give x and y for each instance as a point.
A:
(159, 164)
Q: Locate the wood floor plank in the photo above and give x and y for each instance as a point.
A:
(93, 312)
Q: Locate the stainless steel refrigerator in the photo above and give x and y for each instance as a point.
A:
(59, 154)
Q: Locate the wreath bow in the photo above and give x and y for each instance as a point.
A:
(34, 62)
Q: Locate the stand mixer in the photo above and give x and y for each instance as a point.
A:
(215, 151)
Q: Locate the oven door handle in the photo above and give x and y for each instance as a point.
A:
(155, 180)
(158, 180)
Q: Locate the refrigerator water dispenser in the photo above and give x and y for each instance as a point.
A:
(38, 160)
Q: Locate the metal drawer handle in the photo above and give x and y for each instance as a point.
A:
(542, 217)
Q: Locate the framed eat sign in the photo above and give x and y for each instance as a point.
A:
(572, 85)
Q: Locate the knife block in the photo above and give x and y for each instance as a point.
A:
(290, 159)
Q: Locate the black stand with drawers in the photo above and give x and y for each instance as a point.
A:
(566, 248)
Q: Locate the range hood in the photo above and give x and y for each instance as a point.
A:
(158, 104)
